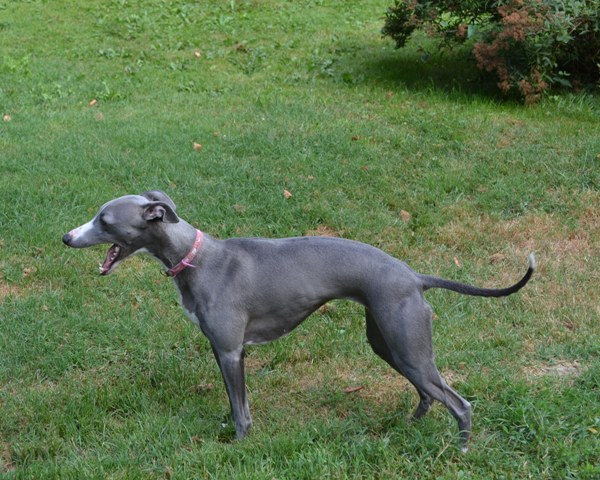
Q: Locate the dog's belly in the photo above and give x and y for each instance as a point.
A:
(277, 323)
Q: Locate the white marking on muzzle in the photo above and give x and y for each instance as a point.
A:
(77, 232)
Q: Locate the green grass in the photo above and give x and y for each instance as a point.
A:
(105, 378)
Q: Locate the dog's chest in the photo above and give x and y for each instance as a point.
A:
(188, 307)
(192, 316)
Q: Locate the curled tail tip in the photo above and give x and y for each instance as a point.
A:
(532, 263)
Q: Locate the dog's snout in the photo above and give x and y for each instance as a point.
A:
(66, 238)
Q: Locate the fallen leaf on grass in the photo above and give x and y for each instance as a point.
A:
(353, 389)
(405, 216)
(324, 309)
(197, 146)
(28, 271)
(497, 257)
(205, 387)
(93, 102)
(322, 231)
(287, 194)
(6, 118)
(456, 262)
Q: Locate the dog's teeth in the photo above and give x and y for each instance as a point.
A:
(115, 252)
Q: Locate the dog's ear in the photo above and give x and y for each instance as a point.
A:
(159, 196)
(159, 211)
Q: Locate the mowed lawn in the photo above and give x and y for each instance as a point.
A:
(226, 105)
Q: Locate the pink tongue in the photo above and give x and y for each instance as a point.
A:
(109, 260)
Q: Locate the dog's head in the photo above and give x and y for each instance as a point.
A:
(129, 223)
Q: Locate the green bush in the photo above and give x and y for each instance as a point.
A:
(530, 45)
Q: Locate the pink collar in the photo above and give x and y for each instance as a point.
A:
(189, 258)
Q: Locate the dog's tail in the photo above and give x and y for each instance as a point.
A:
(435, 282)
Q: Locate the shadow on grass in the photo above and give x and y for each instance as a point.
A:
(421, 67)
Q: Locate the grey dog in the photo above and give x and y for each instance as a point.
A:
(242, 291)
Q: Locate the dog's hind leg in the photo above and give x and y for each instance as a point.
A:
(429, 382)
(425, 402)
(402, 337)
(379, 346)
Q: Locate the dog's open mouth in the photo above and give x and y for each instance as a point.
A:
(113, 256)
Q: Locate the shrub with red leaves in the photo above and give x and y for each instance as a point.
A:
(530, 45)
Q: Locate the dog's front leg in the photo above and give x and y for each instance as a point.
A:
(231, 364)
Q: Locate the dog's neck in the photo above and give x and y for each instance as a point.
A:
(186, 262)
(175, 244)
